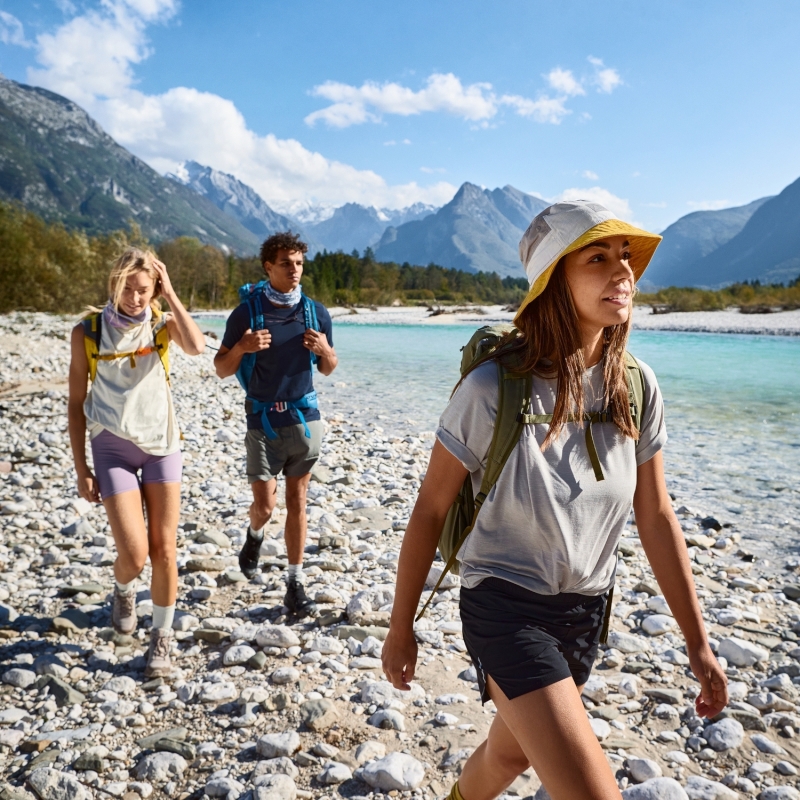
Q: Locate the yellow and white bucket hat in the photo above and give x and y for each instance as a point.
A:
(565, 227)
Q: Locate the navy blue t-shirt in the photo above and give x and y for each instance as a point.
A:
(283, 371)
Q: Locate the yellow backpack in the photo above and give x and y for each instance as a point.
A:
(92, 333)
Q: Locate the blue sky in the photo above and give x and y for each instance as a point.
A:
(657, 108)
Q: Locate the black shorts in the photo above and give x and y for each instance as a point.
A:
(527, 641)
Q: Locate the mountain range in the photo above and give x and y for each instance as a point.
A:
(57, 161)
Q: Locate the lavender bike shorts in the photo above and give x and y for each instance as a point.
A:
(117, 462)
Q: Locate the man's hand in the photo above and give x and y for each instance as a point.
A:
(316, 342)
(255, 342)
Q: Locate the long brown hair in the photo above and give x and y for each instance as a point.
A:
(549, 343)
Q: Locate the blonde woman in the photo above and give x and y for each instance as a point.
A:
(539, 563)
(121, 355)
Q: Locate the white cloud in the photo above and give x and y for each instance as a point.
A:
(545, 109)
(589, 175)
(353, 105)
(445, 93)
(605, 78)
(11, 31)
(431, 170)
(562, 80)
(90, 59)
(597, 194)
(708, 205)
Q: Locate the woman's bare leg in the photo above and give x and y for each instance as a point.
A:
(163, 502)
(552, 731)
(126, 518)
(494, 765)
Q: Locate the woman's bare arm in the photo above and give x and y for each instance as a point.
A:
(444, 478)
(76, 419)
(663, 542)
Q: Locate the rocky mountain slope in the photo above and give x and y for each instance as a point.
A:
(56, 160)
(478, 230)
(693, 237)
(235, 198)
(767, 247)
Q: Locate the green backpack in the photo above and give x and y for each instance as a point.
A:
(513, 413)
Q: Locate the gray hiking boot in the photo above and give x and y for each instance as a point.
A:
(158, 663)
(123, 612)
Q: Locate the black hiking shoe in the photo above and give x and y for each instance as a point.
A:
(248, 556)
(297, 601)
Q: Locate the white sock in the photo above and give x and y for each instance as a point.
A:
(163, 616)
(258, 535)
(295, 571)
(124, 588)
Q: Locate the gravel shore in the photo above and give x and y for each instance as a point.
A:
(262, 706)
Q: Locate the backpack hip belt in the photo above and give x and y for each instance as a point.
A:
(306, 402)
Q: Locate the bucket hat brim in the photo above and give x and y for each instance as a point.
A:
(642, 245)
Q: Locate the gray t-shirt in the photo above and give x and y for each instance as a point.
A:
(548, 525)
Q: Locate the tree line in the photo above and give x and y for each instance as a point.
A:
(46, 267)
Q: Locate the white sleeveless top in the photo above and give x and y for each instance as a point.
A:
(134, 403)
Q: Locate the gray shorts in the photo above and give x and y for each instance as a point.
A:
(292, 453)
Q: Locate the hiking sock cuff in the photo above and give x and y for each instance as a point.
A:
(163, 616)
(295, 572)
(125, 588)
(258, 535)
(455, 794)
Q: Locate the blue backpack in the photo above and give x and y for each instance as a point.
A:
(253, 295)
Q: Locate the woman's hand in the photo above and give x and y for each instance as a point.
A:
(166, 289)
(713, 695)
(399, 657)
(88, 488)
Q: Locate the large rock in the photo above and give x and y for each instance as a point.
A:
(656, 789)
(160, 767)
(274, 787)
(395, 771)
(658, 624)
(334, 773)
(276, 636)
(122, 684)
(18, 677)
(643, 769)
(274, 745)
(742, 653)
(627, 642)
(703, 789)
(51, 784)
(780, 793)
(724, 735)
(318, 715)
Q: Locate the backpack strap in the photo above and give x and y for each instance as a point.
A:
(636, 389)
(310, 320)
(92, 331)
(514, 397)
(161, 345)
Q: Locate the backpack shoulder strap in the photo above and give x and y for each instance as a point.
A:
(310, 321)
(636, 389)
(161, 343)
(92, 331)
(513, 400)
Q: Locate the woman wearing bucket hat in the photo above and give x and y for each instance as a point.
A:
(539, 563)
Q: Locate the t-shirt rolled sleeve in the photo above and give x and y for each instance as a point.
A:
(653, 435)
(467, 424)
(238, 322)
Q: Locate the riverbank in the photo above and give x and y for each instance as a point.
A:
(261, 703)
(780, 323)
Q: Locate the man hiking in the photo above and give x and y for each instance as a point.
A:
(271, 342)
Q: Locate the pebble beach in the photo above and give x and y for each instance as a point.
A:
(262, 706)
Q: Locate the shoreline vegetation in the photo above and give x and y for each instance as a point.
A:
(46, 267)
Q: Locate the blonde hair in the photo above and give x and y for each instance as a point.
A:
(133, 260)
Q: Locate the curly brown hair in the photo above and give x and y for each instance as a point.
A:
(286, 240)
